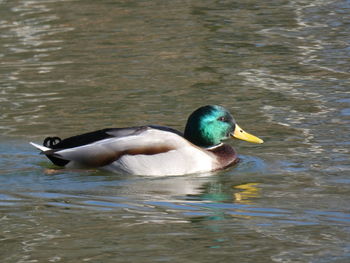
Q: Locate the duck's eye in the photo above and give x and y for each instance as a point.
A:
(222, 119)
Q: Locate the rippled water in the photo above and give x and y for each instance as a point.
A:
(281, 67)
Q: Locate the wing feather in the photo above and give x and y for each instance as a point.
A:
(100, 153)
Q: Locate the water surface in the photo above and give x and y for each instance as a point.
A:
(281, 67)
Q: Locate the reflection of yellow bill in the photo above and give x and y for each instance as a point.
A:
(239, 133)
(250, 190)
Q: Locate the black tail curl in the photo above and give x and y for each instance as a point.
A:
(51, 141)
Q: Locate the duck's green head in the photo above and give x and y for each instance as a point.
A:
(210, 125)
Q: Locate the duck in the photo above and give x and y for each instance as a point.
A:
(154, 150)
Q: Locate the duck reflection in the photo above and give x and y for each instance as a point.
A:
(249, 192)
(172, 187)
(204, 188)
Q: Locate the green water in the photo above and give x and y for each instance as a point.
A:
(281, 67)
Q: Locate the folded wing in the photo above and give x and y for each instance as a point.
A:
(117, 143)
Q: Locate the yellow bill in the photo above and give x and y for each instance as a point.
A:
(239, 133)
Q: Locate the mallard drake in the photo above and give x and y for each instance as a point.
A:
(152, 149)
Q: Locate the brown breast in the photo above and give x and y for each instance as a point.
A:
(226, 155)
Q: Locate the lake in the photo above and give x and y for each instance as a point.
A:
(281, 67)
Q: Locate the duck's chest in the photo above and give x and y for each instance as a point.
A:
(225, 156)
